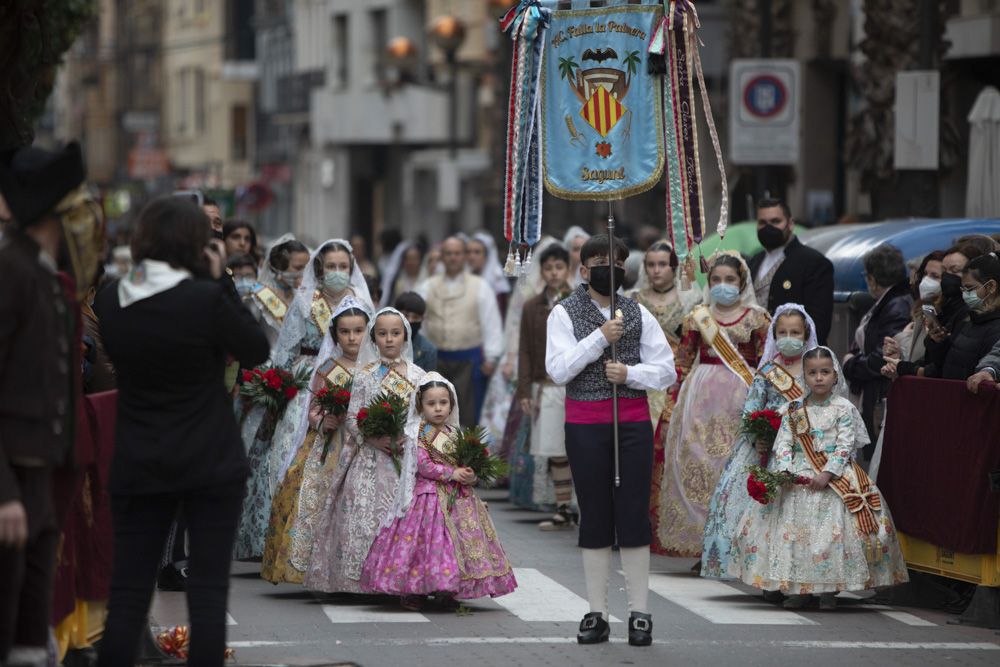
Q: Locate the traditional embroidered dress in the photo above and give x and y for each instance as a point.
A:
(436, 548)
(302, 493)
(510, 429)
(661, 403)
(773, 387)
(810, 541)
(270, 309)
(299, 341)
(364, 483)
(274, 442)
(704, 425)
(731, 499)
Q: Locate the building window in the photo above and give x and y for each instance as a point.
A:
(239, 132)
(340, 49)
(199, 100)
(182, 101)
(380, 38)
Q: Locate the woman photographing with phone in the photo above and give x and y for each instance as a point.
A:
(168, 327)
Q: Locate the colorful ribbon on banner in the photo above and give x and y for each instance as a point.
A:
(527, 24)
(674, 53)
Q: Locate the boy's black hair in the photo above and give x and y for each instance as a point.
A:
(597, 246)
(410, 302)
(240, 261)
(554, 251)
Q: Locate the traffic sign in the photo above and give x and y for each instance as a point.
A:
(764, 111)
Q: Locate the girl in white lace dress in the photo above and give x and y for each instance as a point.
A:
(835, 533)
(364, 483)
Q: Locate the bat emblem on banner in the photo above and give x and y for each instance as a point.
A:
(599, 55)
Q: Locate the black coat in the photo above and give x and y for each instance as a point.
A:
(176, 430)
(37, 334)
(805, 277)
(970, 341)
(863, 370)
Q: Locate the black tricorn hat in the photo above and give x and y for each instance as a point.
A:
(35, 180)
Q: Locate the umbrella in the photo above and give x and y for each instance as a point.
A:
(982, 196)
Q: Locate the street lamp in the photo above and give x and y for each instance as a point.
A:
(401, 53)
(448, 33)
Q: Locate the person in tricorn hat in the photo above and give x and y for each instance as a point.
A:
(48, 256)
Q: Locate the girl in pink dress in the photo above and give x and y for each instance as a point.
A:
(426, 544)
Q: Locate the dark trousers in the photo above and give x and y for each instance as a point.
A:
(607, 512)
(462, 373)
(26, 573)
(141, 526)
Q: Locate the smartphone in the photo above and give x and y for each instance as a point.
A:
(194, 195)
(930, 317)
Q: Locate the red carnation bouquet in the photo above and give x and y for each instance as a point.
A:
(468, 449)
(272, 387)
(333, 401)
(763, 484)
(385, 415)
(761, 425)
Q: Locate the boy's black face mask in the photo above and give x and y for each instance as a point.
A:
(600, 278)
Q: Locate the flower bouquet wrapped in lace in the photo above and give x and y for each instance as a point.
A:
(385, 416)
(763, 484)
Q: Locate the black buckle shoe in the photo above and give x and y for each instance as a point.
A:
(593, 629)
(640, 629)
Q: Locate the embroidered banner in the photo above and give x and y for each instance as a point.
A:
(602, 118)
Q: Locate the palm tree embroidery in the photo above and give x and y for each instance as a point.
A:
(631, 61)
(567, 67)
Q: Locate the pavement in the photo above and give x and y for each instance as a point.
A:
(696, 621)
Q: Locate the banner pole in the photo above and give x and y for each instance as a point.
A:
(613, 312)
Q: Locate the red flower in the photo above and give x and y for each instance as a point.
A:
(248, 376)
(603, 149)
(362, 414)
(290, 392)
(274, 382)
(757, 490)
(387, 406)
(322, 393)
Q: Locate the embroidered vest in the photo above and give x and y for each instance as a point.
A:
(452, 318)
(592, 384)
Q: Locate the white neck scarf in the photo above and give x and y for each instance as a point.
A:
(149, 278)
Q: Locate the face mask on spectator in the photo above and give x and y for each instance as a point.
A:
(725, 295)
(951, 285)
(972, 300)
(929, 288)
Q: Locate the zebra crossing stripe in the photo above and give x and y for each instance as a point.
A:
(541, 599)
(713, 601)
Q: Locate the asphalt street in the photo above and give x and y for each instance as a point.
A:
(696, 622)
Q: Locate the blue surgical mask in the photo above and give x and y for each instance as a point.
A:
(972, 299)
(725, 294)
(336, 281)
(288, 278)
(244, 285)
(789, 347)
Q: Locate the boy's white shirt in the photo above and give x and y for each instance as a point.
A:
(565, 357)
